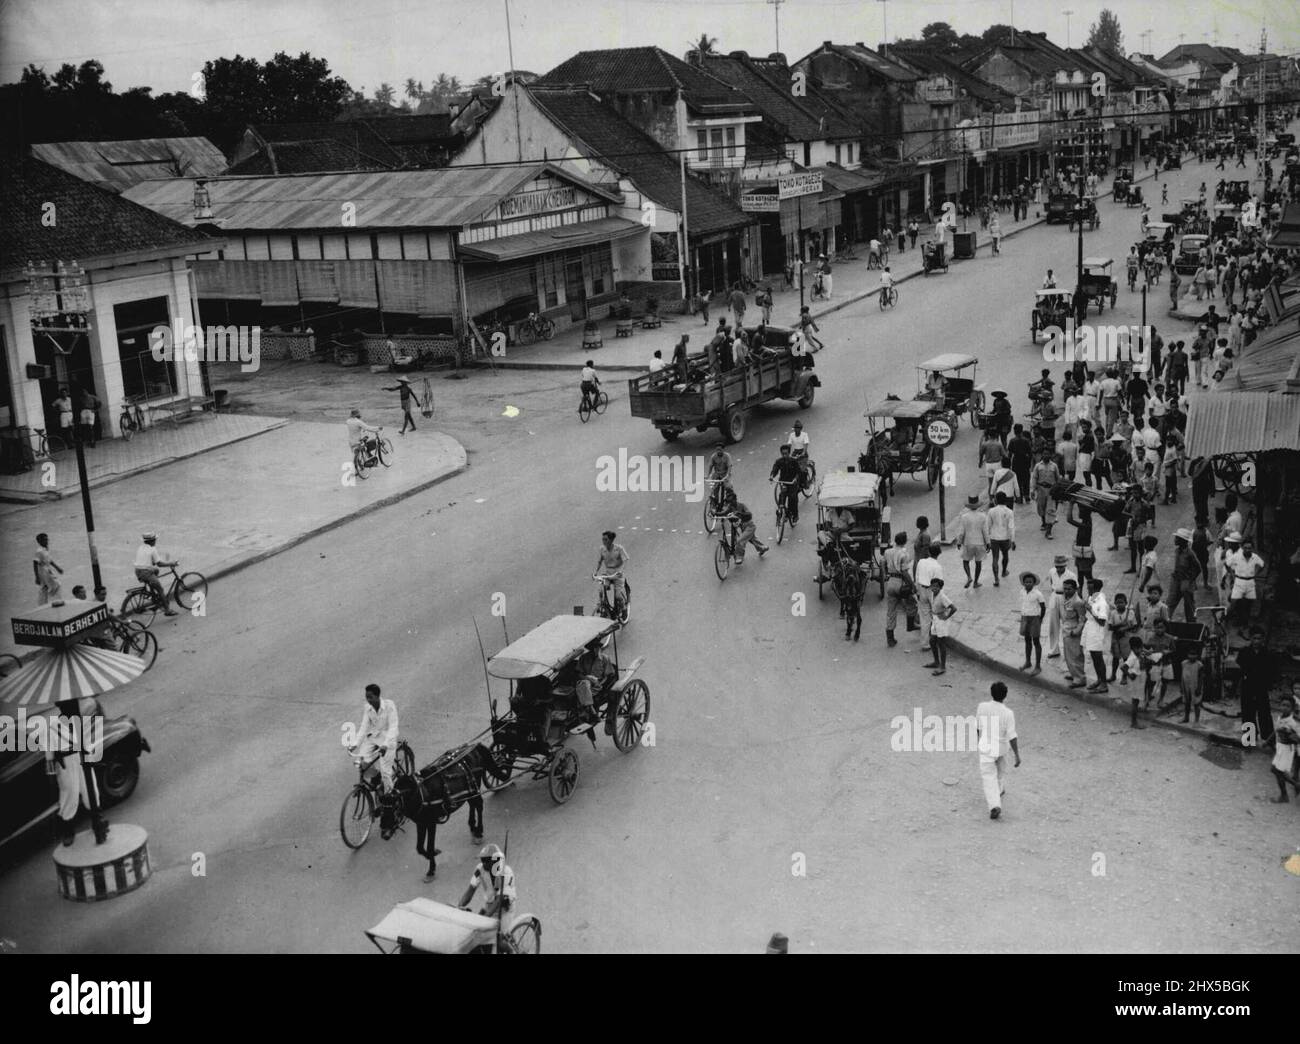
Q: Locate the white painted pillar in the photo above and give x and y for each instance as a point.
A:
(28, 407)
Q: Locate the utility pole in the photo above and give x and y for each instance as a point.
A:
(510, 46)
(776, 14)
(1259, 112)
(884, 14)
(1067, 12)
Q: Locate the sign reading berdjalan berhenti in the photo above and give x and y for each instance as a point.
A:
(56, 625)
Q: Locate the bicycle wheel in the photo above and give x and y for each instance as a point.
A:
(126, 426)
(357, 816)
(602, 401)
(359, 463)
(527, 333)
(55, 447)
(547, 328)
(384, 450)
(584, 410)
(190, 589)
(780, 524)
(525, 937)
(722, 559)
(9, 664)
(140, 603)
(142, 645)
(806, 490)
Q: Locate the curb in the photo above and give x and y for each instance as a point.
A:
(553, 366)
(118, 476)
(1095, 699)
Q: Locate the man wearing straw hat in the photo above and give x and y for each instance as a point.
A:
(1182, 578)
(973, 538)
(403, 385)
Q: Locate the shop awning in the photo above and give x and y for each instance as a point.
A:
(566, 237)
(1242, 422)
(1288, 229)
(55, 675)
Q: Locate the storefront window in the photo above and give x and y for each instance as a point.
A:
(702, 140)
(142, 374)
(551, 272)
(599, 262)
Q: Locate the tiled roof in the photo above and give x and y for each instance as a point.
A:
(92, 222)
(639, 68)
(407, 130)
(927, 61)
(307, 157)
(1203, 53)
(767, 84)
(117, 165)
(877, 63)
(628, 149)
(449, 197)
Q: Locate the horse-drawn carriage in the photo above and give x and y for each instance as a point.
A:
(852, 530)
(1052, 308)
(941, 381)
(1123, 184)
(545, 669)
(1097, 284)
(896, 443)
(1133, 197)
(934, 257)
(427, 926)
(1085, 212)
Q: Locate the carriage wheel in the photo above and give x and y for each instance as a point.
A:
(357, 817)
(524, 937)
(562, 780)
(631, 713)
(504, 759)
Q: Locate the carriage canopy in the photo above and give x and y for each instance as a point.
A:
(902, 409)
(548, 646)
(947, 361)
(434, 927)
(848, 489)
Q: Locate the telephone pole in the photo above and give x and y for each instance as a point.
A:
(776, 14)
(884, 14)
(1067, 12)
(1259, 111)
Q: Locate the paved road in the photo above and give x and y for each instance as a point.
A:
(773, 735)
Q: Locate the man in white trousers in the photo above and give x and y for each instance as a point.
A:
(1060, 573)
(997, 731)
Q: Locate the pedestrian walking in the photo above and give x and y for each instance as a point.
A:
(1174, 282)
(46, 570)
(1046, 475)
(1084, 556)
(738, 306)
(995, 233)
(1002, 533)
(1096, 634)
(913, 230)
(942, 610)
(765, 303)
(899, 588)
(996, 725)
(89, 416)
(807, 326)
(973, 537)
(1021, 451)
(824, 270)
(1033, 607)
(1286, 761)
(1074, 614)
(1057, 577)
(992, 456)
(408, 400)
(702, 303)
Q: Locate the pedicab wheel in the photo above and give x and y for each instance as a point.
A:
(631, 713)
(142, 645)
(602, 401)
(584, 410)
(721, 560)
(140, 603)
(357, 817)
(932, 473)
(191, 591)
(384, 451)
(524, 937)
(562, 780)
(733, 425)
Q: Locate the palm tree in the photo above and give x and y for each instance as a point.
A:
(414, 90)
(706, 44)
(445, 86)
(384, 94)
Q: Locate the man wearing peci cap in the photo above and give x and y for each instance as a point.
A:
(973, 537)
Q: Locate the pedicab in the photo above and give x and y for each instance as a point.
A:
(955, 394)
(427, 926)
(852, 529)
(543, 671)
(1085, 212)
(1097, 283)
(934, 256)
(1052, 307)
(1226, 216)
(896, 443)
(1123, 184)
(1133, 198)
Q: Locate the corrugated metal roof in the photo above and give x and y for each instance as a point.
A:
(849, 180)
(451, 197)
(1265, 365)
(566, 237)
(1242, 422)
(117, 165)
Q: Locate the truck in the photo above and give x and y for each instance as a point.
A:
(724, 401)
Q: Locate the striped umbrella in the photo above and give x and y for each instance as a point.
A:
(55, 675)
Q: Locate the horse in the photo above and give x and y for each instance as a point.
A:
(442, 787)
(849, 587)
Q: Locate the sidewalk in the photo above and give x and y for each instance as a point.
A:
(853, 282)
(248, 500)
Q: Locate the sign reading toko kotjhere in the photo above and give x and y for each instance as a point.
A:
(761, 203)
(57, 625)
(806, 183)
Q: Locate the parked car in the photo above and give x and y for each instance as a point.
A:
(1059, 208)
(1187, 258)
(29, 796)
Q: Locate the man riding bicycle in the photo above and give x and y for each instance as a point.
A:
(590, 383)
(875, 256)
(720, 465)
(886, 284)
(376, 735)
(790, 473)
(360, 433)
(746, 532)
(492, 884)
(799, 443)
(610, 563)
(147, 562)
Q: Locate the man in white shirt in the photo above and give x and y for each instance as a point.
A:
(358, 430)
(1109, 390)
(377, 734)
(1244, 568)
(1002, 533)
(492, 885)
(1060, 573)
(997, 731)
(927, 569)
(147, 561)
(657, 363)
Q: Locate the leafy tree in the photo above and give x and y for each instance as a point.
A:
(996, 34)
(385, 95)
(1105, 32)
(414, 90)
(706, 44)
(940, 35)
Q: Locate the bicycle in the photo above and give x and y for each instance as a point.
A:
(187, 591)
(782, 513)
(888, 297)
(809, 473)
(373, 452)
(1214, 652)
(594, 402)
(726, 549)
(366, 801)
(605, 599)
(1132, 278)
(713, 503)
(47, 447)
(128, 636)
(535, 326)
(131, 419)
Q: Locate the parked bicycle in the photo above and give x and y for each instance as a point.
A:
(128, 636)
(131, 419)
(1214, 652)
(187, 590)
(47, 447)
(366, 801)
(888, 297)
(593, 402)
(782, 513)
(535, 327)
(372, 453)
